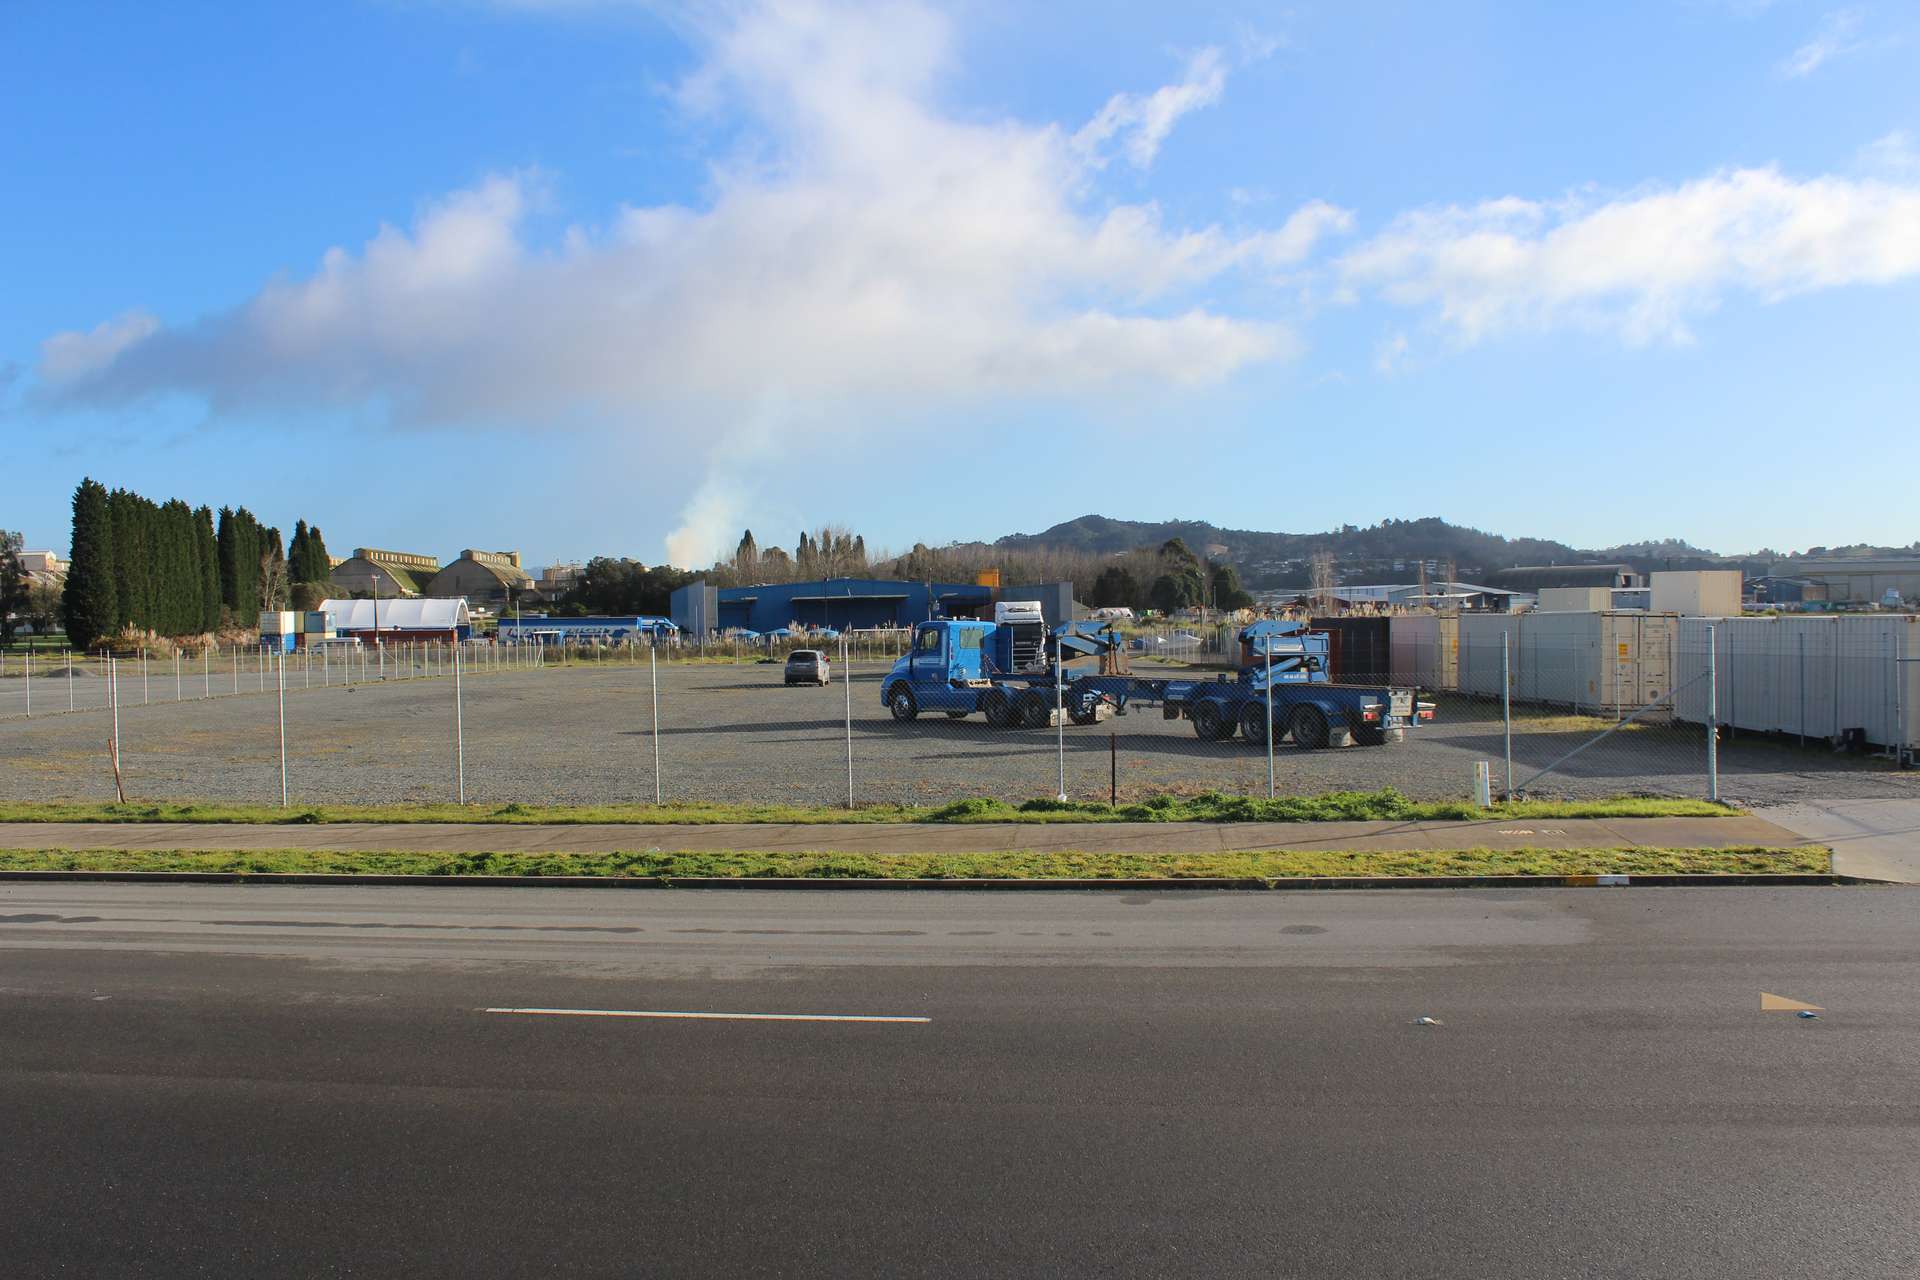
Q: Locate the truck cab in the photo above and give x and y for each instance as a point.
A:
(944, 667)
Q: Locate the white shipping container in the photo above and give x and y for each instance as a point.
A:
(1812, 677)
(1610, 663)
(1710, 593)
(276, 622)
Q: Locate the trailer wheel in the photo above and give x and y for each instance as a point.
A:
(1206, 721)
(1369, 735)
(994, 703)
(1032, 710)
(1309, 729)
(902, 703)
(1253, 723)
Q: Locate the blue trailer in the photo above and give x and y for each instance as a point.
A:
(1006, 671)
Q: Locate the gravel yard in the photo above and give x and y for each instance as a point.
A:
(734, 733)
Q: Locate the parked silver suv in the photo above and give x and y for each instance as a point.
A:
(807, 666)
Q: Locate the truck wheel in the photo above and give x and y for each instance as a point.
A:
(1206, 722)
(901, 702)
(1309, 729)
(994, 703)
(1033, 711)
(1253, 723)
(1369, 735)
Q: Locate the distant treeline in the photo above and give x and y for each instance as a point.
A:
(170, 569)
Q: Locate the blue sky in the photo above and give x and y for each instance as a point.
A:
(581, 278)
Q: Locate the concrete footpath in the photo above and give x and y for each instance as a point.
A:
(1877, 839)
(1123, 837)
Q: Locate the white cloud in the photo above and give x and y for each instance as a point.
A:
(867, 250)
(1641, 264)
(1892, 153)
(1389, 355)
(1145, 120)
(1834, 38)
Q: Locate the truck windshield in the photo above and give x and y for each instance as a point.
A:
(929, 641)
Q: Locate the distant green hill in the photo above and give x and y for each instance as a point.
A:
(1393, 550)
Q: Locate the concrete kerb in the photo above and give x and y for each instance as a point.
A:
(1283, 883)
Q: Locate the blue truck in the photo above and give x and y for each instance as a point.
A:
(1006, 670)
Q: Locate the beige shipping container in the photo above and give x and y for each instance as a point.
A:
(1704, 593)
(1424, 650)
(277, 622)
(1574, 599)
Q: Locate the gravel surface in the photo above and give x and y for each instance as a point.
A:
(734, 733)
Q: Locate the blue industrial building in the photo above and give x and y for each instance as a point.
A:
(848, 604)
(598, 630)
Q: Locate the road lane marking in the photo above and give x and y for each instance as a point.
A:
(717, 1017)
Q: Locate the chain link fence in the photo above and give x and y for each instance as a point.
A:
(1576, 706)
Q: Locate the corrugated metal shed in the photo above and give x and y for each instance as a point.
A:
(397, 615)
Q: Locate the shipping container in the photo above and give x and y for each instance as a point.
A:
(276, 622)
(1822, 679)
(1702, 593)
(1359, 649)
(1425, 650)
(1575, 599)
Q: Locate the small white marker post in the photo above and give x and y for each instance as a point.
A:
(1269, 643)
(653, 674)
(281, 669)
(846, 679)
(459, 734)
(1059, 714)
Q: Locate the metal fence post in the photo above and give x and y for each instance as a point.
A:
(1059, 715)
(459, 734)
(206, 672)
(1713, 716)
(143, 677)
(846, 680)
(653, 675)
(29, 682)
(176, 675)
(68, 655)
(281, 683)
(1506, 706)
(1268, 638)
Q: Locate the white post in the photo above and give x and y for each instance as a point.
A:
(143, 677)
(1059, 718)
(113, 696)
(653, 673)
(1269, 643)
(29, 682)
(459, 735)
(236, 669)
(206, 672)
(68, 655)
(846, 680)
(326, 665)
(176, 675)
(1506, 709)
(281, 678)
(1713, 717)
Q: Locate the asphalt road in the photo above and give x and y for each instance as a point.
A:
(735, 734)
(265, 1081)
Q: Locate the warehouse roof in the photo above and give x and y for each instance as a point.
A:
(397, 615)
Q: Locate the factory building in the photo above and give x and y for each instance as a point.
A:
(541, 629)
(486, 578)
(844, 604)
(388, 574)
(1855, 580)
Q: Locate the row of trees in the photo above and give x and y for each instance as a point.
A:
(16, 594)
(610, 586)
(167, 568)
(1169, 577)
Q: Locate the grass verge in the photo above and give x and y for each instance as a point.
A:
(1010, 865)
(1333, 806)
